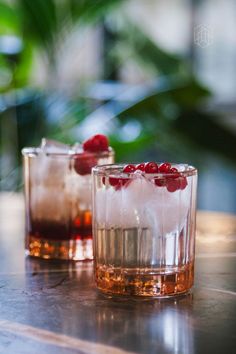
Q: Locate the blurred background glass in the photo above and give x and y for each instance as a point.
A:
(156, 76)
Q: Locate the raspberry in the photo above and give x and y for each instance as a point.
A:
(96, 143)
(129, 168)
(83, 163)
(140, 167)
(151, 167)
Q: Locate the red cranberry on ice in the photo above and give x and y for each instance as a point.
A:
(151, 167)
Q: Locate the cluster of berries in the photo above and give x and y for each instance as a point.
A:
(84, 162)
(168, 176)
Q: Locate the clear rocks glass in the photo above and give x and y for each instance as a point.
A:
(58, 200)
(144, 231)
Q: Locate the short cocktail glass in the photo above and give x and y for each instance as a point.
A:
(58, 200)
(144, 231)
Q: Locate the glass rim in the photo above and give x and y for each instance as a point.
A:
(110, 169)
(36, 151)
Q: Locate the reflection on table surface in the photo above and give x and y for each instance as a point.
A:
(50, 306)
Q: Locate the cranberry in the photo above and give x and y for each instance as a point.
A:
(83, 163)
(114, 181)
(140, 167)
(183, 182)
(160, 182)
(174, 172)
(96, 143)
(122, 182)
(118, 182)
(172, 185)
(125, 181)
(165, 167)
(151, 167)
(129, 168)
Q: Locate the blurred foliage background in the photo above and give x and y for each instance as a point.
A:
(130, 69)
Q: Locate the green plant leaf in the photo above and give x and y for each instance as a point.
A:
(187, 125)
(204, 131)
(9, 21)
(90, 10)
(39, 21)
(177, 93)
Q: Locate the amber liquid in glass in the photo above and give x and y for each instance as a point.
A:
(68, 240)
(130, 262)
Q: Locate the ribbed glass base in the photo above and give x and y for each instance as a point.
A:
(77, 250)
(144, 282)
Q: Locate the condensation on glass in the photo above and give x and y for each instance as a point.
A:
(58, 203)
(144, 235)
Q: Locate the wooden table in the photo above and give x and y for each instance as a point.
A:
(53, 307)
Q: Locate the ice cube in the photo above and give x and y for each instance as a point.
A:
(166, 212)
(77, 148)
(134, 197)
(78, 189)
(104, 213)
(139, 190)
(123, 207)
(142, 204)
(51, 164)
(53, 147)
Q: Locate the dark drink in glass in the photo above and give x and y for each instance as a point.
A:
(58, 200)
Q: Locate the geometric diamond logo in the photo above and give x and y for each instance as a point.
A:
(203, 36)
